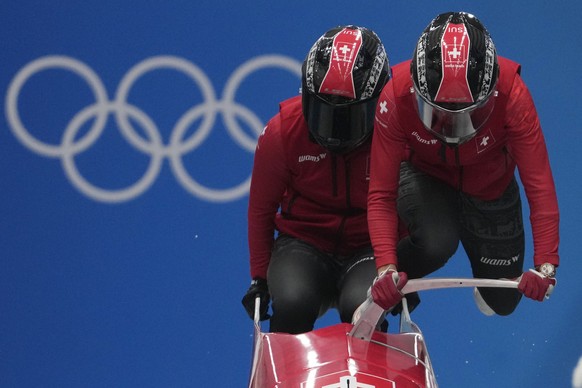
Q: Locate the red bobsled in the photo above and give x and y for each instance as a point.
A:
(352, 355)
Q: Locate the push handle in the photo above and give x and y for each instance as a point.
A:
(414, 285)
(257, 310)
(368, 313)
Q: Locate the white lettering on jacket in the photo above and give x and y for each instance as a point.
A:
(311, 158)
(423, 141)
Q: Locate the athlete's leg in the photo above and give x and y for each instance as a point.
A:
(357, 276)
(428, 207)
(301, 283)
(493, 238)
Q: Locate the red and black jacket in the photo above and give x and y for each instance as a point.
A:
(482, 167)
(301, 189)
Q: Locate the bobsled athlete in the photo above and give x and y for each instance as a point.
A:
(308, 237)
(463, 120)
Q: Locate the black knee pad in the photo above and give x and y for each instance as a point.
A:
(502, 301)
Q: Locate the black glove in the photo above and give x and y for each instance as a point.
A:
(258, 288)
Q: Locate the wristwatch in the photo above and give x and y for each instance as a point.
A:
(547, 269)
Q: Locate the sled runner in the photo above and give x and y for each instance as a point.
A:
(353, 355)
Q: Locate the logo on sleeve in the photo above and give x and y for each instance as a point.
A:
(383, 107)
(384, 110)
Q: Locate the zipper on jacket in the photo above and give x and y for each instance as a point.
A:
(348, 185)
(334, 174)
(443, 152)
(350, 212)
(340, 233)
(443, 156)
(460, 167)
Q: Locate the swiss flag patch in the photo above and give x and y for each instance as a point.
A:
(483, 140)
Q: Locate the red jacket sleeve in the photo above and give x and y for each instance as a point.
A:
(388, 146)
(269, 180)
(527, 146)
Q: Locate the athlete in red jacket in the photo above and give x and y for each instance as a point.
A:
(310, 184)
(464, 120)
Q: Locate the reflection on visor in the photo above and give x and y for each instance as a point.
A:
(340, 126)
(454, 127)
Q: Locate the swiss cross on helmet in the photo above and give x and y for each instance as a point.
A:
(342, 76)
(454, 71)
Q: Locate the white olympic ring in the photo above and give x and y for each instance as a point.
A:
(153, 146)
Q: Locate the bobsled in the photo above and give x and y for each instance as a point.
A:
(353, 355)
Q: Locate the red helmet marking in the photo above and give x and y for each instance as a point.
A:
(455, 46)
(339, 78)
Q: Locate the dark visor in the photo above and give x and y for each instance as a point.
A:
(340, 127)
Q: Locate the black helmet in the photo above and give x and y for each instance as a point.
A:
(342, 76)
(455, 70)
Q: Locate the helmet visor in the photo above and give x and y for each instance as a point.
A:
(454, 126)
(340, 127)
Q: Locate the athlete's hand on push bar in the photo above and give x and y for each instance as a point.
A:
(386, 289)
(535, 285)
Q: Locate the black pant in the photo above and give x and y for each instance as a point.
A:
(305, 282)
(438, 217)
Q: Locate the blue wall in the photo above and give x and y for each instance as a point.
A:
(123, 253)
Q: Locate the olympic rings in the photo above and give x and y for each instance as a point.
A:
(126, 113)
